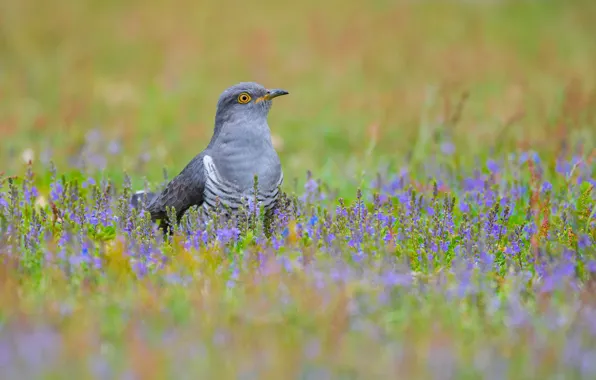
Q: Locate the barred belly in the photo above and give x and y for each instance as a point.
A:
(228, 198)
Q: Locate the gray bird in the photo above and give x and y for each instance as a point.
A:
(239, 150)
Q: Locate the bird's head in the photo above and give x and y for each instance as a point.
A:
(245, 102)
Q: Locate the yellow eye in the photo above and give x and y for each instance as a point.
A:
(244, 98)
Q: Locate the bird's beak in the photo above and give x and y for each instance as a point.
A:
(272, 94)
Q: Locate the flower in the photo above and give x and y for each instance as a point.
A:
(447, 148)
(492, 166)
(28, 155)
(546, 187)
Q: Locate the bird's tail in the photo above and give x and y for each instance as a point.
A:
(141, 197)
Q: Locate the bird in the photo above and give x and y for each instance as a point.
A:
(223, 174)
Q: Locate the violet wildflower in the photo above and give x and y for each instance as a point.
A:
(93, 219)
(56, 190)
(140, 268)
(447, 148)
(518, 315)
(310, 189)
(535, 158)
(464, 207)
(114, 147)
(584, 241)
(393, 278)
(546, 187)
(563, 167)
(493, 166)
(225, 235)
(3, 201)
(233, 278)
(88, 182)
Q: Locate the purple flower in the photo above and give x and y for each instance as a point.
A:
(114, 147)
(518, 315)
(388, 237)
(277, 243)
(444, 245)
(93, 220)
(430, 211)
(547, 187)
(311, 186)
(447, 148)
(530, 229)
(404, 198)
(233, 276)
(513, 248)
(286, 263)
(536, 158)
(563, 167)
(56, 190)
(398, 182)
(473, 184)
(385, 220)
(97, 160)
(493, 166)
(93, 135)
(584, 241)
(464, 207)
(253, 207)
(140, 268)
(29, 193)
(393, 278)
(225, 235)
(89, 182)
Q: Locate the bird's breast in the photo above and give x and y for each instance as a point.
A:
(240, 163)
(230, 180)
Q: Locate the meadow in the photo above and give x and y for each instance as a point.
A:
(440, 215)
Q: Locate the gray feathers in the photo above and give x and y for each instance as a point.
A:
(230, 194)
(184, 191)
(239, 150)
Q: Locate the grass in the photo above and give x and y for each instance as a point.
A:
(447, 230)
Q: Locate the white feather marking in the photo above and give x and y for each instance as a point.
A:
(212, 173)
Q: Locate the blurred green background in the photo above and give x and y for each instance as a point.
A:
(132, 85)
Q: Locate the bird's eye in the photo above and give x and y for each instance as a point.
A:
(243, 98)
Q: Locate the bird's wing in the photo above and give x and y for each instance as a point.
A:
(183, 192)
